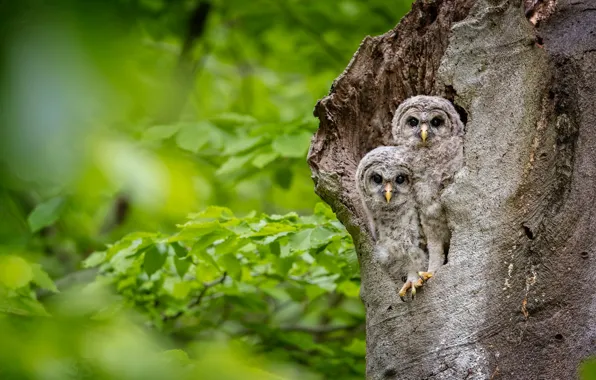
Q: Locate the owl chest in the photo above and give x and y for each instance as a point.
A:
(402, 231)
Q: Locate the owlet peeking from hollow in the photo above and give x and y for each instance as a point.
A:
(429, 130)
(385, 185)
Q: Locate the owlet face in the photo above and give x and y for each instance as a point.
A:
(384, 181)
(425, 120)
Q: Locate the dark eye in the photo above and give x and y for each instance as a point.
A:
(436, 121)
(400, 179)
(377, 178)
(412, 122)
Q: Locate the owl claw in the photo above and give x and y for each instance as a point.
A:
(425, 275)
(414, 285)
(404, 290)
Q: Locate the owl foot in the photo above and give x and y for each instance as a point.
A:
(425, 275)
(415, 284)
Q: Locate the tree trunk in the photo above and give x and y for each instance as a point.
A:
(517, 299)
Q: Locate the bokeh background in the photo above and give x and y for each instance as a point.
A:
(157, 216)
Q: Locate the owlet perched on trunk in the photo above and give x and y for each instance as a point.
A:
(429, 129)
(384, 181)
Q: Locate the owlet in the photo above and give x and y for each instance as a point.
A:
(384, 181)
(429, 129)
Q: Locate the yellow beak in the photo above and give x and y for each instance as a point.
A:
(388, 189)
(424, 133)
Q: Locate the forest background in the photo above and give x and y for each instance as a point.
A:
(157, 216)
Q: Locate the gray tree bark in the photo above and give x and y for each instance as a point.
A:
(517, 299)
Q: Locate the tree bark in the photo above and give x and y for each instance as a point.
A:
(517, 298)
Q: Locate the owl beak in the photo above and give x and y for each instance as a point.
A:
(424, 133)
(388, 190)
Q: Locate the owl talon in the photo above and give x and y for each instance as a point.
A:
(425, 275)
(413, 285)
(404, 290)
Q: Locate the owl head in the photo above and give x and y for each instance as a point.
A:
(384, 179)
(425, 120)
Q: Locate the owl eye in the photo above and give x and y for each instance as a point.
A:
(377, 178)
(436, 122)
(412, 122)
(400, 179)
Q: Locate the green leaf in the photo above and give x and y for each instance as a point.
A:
(283, 177)
(301, 240)
(587, 369)
(205, 272)
(160, 132)
(349, 288)
(241, 145)
(274, 248)
(22, 306)
(154, 260)
(46, 213)
(294, 146)
(181, 290)
(15, 272)
(357, 347)
(263, 159)
(193, 137)
(182, 265)
(231, 265)
(283, 265)
(230, 120)
(214, 212)
(199, 250)
(234, 163)
(179, 249)
(41, 278)
(314, 291)
(94, 259)
(324, 209)
(176, 356)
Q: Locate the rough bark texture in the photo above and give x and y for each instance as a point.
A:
(517, 298)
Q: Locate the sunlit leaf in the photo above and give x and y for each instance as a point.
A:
(181, 290)
(263, 159)
(294, 146)
(231, 265)
(349, 288)
(241, 145)
(41, 278)
(22, 306)
(194, 136)
(15, 272)
(358, 347)
(94, 259)
(160, 132)
(234, 163)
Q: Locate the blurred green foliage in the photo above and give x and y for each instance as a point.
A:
(124, 116)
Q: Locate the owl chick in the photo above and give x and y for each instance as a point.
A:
(429, 127)
(385, 186)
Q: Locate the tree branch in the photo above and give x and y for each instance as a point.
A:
(197, 300)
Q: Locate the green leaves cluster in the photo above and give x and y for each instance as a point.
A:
(237, 147)
(286, 284)
(18, 279)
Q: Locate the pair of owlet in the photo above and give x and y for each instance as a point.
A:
(401, 185)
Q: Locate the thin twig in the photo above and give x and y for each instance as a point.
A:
(197, 300)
